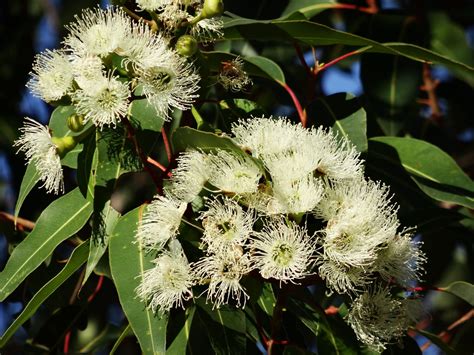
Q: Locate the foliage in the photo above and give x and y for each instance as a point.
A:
(123, 133)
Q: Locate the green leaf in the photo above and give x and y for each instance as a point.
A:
(185, 138)
(434, 171)
(126, 332)
(180, 343)
(77, 258)
(391, 83)
(449, 38)
(437, 341)
(60, 220)
(29, 181)
(344, 113)
(99, 242)
(226, 328)
(462, 289)
(315, 34)
(308, 8)
(128, 263)
(254, 66)
(267, 300)
(143, 116)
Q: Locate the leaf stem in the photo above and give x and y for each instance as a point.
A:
(169, 154)
(296, 102)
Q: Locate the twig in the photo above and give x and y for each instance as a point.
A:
(320, 68)
(299, 108)
(20, 222)
(429, 86)
(464, 318)
(167, 145)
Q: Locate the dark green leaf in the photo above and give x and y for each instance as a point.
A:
(144, 117)
(180, 343)
(77, 258)
(344, 113)
(128, 263)
(60, 220)
(29, 181)
(308, 8)
(462, 289)
(267, 299)
(316, 34)
(434, 171)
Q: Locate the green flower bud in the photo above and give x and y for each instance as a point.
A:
(186, 45)
(75, 122)
(64, 144)
(212, 8)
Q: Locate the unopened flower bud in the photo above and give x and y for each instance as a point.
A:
(64, 144)
(75, 122)
(186, 45)
(212, 8)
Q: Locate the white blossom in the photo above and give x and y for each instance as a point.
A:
(52, 75)
(235, 173)
(190, 175)
(160, 222)
(169, 283)
(153, 5)
(223, 271)
(401, 260)
(379, 319)
(87, 70)
(226, 225)
(103, 102)
(36, 142)
(209, 29)
(98, 32)
(283, 251)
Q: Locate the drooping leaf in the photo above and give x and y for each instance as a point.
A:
(343, 112)
(316, 34)
(60, 220)
(267, 299)
(437, 341)
(180, 342)
(226, 328)
(462, 289)
(77, 258)
(144, 117)
(128, 263)
(308, 8)
(434, 171)
(30, 179)
(449, 38)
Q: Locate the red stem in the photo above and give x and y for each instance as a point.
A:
(158, 165)
(337, 60)
(167, 144)
(97, 289)
(299, 108)
(67, 339)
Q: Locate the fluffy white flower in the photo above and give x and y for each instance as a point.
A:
(153, 5)
(104, 101)
(98, 32)
(296, 196)
(378, 319)
(226, 225)
(190, 176)
(36, 142)
(266, 136)
(223, 271)
(343, 278)
(401, 260)
(169, 283)
(52, 75)
(232, 75)
(209, 29)
(86, 71)
(169, 83)
(233, 173)
(284, 252)
(160, 222)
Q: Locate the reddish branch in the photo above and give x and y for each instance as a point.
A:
(21, 223)
(429, 86)
(296, 102)
(169, 154)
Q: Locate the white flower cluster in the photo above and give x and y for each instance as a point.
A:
(106, 59)
(260, 202)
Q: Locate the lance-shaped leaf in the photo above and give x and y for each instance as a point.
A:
(180, 342)
(434, 171)
(309, 8)
(315, 34)
(60, 220)
(77, 258)
(462, 289)
(345, 114)
(30, 179)
(128, 262)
